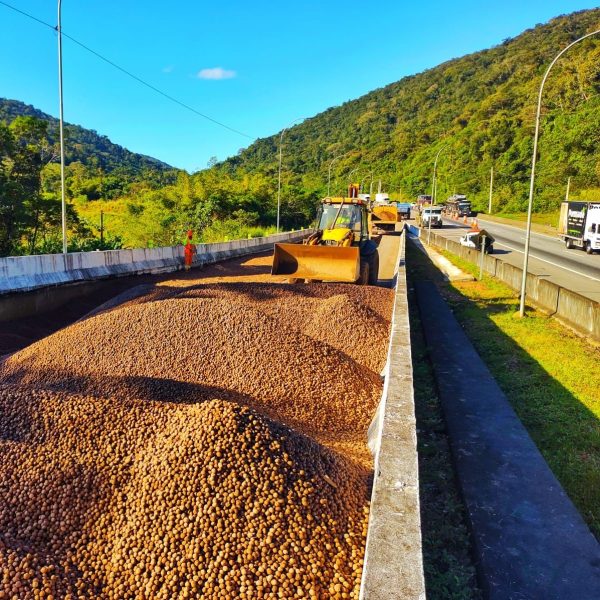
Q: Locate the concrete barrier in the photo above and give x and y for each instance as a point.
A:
(393, 564)
(27, 273)
(578, 312)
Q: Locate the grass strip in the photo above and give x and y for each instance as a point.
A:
(448, 566)
(549, 374)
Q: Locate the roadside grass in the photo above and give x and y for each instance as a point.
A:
(449, 569)
(550, 375)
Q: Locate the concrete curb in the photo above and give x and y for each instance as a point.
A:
(530, 541)
(27, 273)
(393, 564)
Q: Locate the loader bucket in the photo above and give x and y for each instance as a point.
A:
(327, 263)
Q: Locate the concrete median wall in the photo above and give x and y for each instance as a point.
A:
(27, 273)
(576, 311)
(393, 564)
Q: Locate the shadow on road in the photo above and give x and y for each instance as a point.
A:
(566, 432)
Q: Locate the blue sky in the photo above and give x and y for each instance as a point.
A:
(254, 65)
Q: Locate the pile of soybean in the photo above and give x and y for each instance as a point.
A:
(193, 447)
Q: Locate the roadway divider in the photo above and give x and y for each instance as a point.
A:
(393, 562)
(577, 312)
(27, 273)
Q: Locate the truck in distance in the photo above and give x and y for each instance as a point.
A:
(458, 206)
(579, 225)
(431, 216)
(386, 213)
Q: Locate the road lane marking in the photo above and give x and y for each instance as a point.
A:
(546, 235)
(547, 261)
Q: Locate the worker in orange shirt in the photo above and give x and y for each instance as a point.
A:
(189, 251)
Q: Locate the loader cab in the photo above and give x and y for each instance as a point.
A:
(352, 215)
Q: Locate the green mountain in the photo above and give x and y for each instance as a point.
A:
(479, 108)
(97, 172)
(84, 145)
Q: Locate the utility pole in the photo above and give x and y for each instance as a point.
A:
(279, 174)
(102, 228)
(62, 137)
(491, 190)
(568, 188)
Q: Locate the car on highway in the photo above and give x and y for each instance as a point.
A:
(474, 239)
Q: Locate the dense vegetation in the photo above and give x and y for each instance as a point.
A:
(478, 110)
(97, 169)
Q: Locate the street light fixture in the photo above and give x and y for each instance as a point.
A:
(280, 159)
(62, 138)
(533, 161)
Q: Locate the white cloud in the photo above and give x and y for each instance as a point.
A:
(216, 73)
(168, 69)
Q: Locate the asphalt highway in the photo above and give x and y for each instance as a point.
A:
(548, 257)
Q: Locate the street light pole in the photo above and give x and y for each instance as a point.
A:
(491, 190)
(533, 161)
(329, 172)
(370, 175)
(62, 137)
(279, 175)
(433, 190)
(352, 173)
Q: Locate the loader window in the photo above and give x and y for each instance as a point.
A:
(349, 217)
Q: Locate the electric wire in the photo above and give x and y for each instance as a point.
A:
(129, 73)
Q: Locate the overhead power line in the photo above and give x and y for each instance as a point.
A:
(129, 73)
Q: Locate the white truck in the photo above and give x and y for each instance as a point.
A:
(579, 225)
(433, 214)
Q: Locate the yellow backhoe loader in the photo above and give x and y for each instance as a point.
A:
(341, 248)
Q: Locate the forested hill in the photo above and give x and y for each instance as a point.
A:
(84, 145)
(480, 108)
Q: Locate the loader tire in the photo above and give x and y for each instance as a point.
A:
(363, 278)
(374, 268)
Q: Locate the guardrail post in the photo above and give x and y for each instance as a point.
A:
(481, 257)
